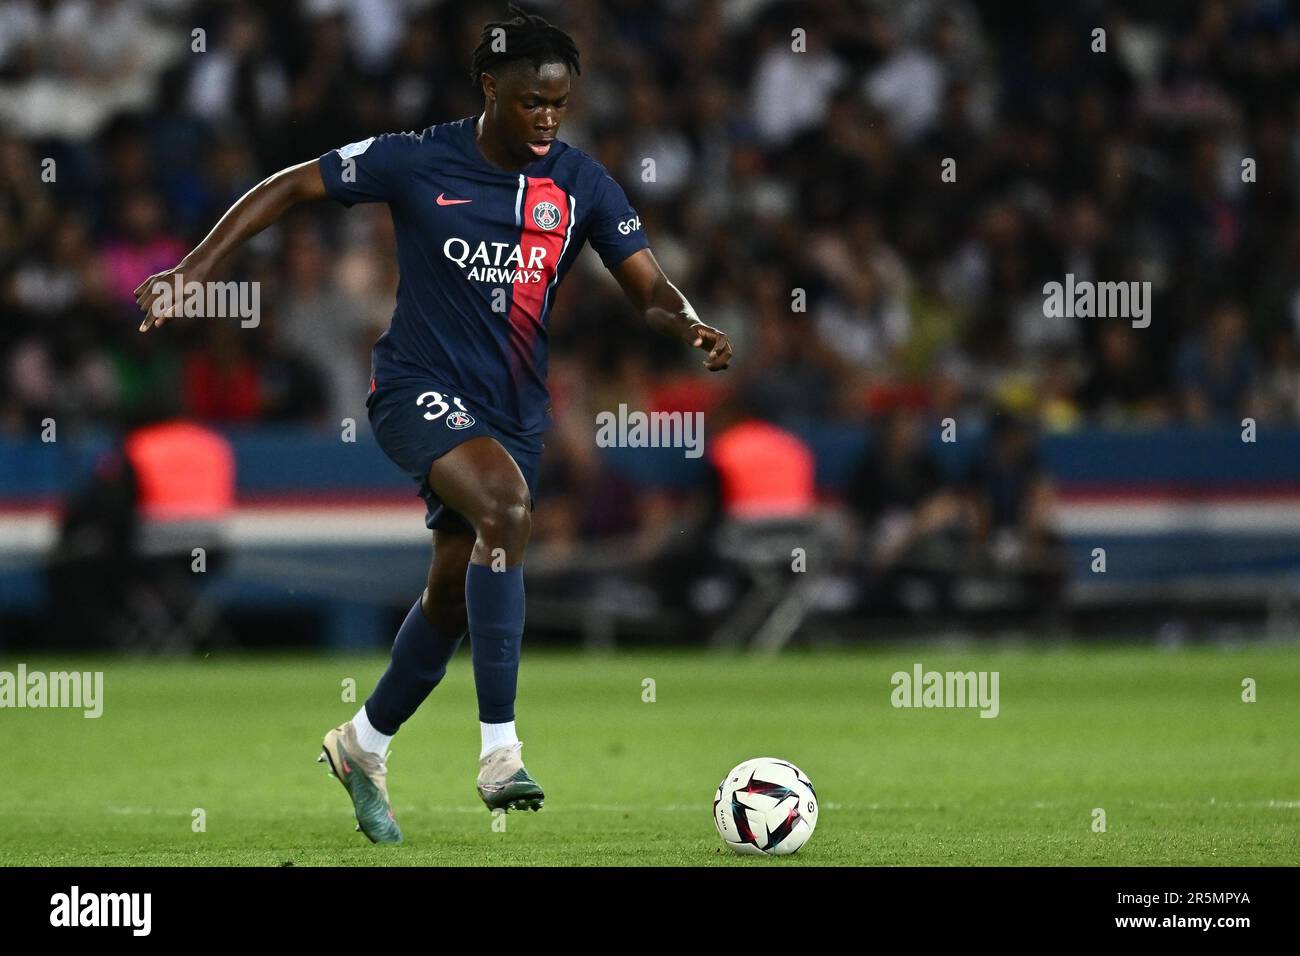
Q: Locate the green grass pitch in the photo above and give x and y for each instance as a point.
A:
(1186, 772)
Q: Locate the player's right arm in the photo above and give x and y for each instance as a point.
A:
(256, 209)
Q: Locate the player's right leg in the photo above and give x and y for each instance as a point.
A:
(483, 483)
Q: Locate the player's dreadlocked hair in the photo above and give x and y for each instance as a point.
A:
(526, 36)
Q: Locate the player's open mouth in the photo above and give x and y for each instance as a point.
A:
(540, 147)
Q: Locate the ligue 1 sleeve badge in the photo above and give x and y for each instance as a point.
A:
(546, 215)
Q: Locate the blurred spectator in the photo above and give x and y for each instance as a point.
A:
(763, 471)
(222, 382)
(911, 82)
(140, 247)
(908, 512)
(1282, 379)
(1218, 370)
(321, 322)
(240, 77)
(792, 86)
(1121, 388)
(95, 558)
(1014, 506)
(899, 491)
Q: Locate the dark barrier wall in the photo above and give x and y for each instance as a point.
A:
(285, 461)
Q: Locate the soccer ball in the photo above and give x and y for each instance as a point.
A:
(765, 805)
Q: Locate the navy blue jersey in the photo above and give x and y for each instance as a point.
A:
(481, 251)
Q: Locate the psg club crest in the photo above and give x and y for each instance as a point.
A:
(459, 420)
(546, 215)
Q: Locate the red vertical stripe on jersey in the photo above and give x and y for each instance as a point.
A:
(529, 297)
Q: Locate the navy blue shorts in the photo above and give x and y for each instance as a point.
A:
(416, 422)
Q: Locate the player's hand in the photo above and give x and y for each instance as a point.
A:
(714, 341)
(149, 294)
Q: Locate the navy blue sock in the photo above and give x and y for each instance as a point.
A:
(495, 602)
(420, 656)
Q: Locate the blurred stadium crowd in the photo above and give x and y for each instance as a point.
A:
(797, 200)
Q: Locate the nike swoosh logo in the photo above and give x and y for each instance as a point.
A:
(451, 202)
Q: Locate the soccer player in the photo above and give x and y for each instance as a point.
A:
(489, 214)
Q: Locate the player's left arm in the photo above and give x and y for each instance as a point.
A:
(666, 309)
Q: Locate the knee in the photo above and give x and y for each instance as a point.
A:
(504, 519)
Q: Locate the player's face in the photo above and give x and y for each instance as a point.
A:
(530, 108)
